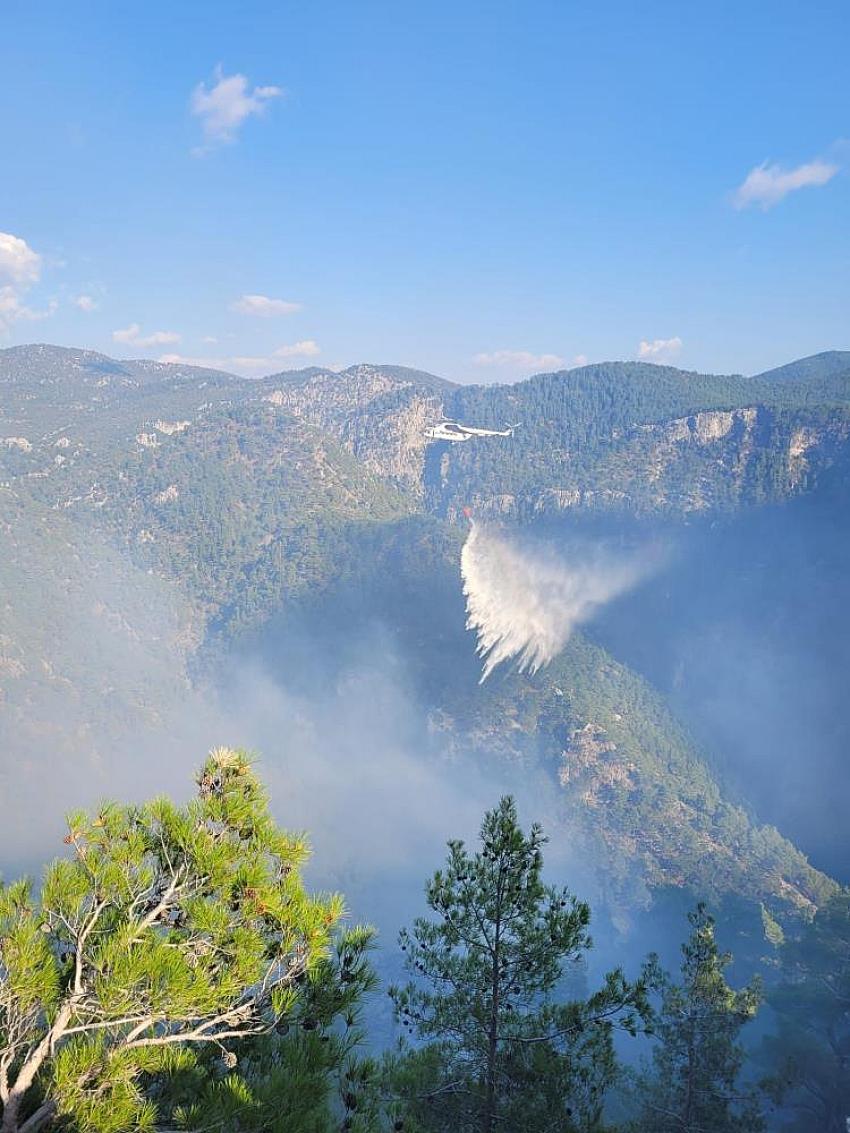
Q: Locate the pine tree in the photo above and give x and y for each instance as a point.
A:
(166, 935)
(308, 1075)
(693, 1086)
(482, 998)
(810, 1052)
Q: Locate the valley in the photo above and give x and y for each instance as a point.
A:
(180, 519)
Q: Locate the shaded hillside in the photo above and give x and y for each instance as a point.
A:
(746, 633)
(638, 789)
(635, 789)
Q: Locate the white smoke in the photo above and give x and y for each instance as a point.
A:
(525, 601)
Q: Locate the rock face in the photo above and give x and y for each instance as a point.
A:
(714, 460)
(379, 415)
(732, 449)
(803, 440)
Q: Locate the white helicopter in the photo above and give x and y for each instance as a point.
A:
(454, 431)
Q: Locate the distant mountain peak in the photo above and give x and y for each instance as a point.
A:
(397, 375)
(826, 364)
(48, 352)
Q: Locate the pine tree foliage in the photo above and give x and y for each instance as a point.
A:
(810, 1051)
(693, 1086)
(308, 1075)
(165, 931)
(483, 997)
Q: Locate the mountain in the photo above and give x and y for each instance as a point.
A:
(198, 519)
(641, 439)
(827, 364)
(378, 412)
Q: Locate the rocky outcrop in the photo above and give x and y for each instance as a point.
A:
(377, 416)
(713, 460)
(17, 442)
(802, 441)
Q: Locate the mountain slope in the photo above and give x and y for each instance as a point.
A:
(828, 364)
(379, 413)
(640, 439)
(632, 786)
(638, 788)
(314, 495)
(241, 509)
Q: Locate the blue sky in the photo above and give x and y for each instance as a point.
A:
(479, 189)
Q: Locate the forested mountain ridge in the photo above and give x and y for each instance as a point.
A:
(816, 367)
(626, 436)
(314, 493)
(635, 788)
(641, 439)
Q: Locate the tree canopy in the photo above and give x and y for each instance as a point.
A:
(167, 931)
(693, 1086)
(501, 1049)
(810, 1051)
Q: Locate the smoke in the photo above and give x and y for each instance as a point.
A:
(97, 702)
(352, 765)
(525, 601)
(352, 757)
(748, 635)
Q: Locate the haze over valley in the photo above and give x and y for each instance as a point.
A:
(171, 530)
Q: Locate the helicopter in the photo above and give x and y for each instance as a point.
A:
(455, 431)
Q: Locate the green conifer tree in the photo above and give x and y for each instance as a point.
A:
(693, 1085)
(307, 1076)
(167, 935)
(810, 1052)
(499, 1050)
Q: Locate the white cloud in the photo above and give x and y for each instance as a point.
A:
(238, 364)
(85, 303)
(224, 106)
(19, 264)
(12, 310)
(660, 349)
(263, 306)
(767, 185)
(252, 363)
(132, 336)
(247, 363)
(187, 360)
(307, 348)
(20, 268)
(580, 360)
(519, 360)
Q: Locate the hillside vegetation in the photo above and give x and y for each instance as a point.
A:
(238, 503)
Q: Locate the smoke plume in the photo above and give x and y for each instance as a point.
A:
(525, 601)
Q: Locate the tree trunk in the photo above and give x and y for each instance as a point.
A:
(10, 1113)
(40, 1118)
(493, 1036)
(27, 1075)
